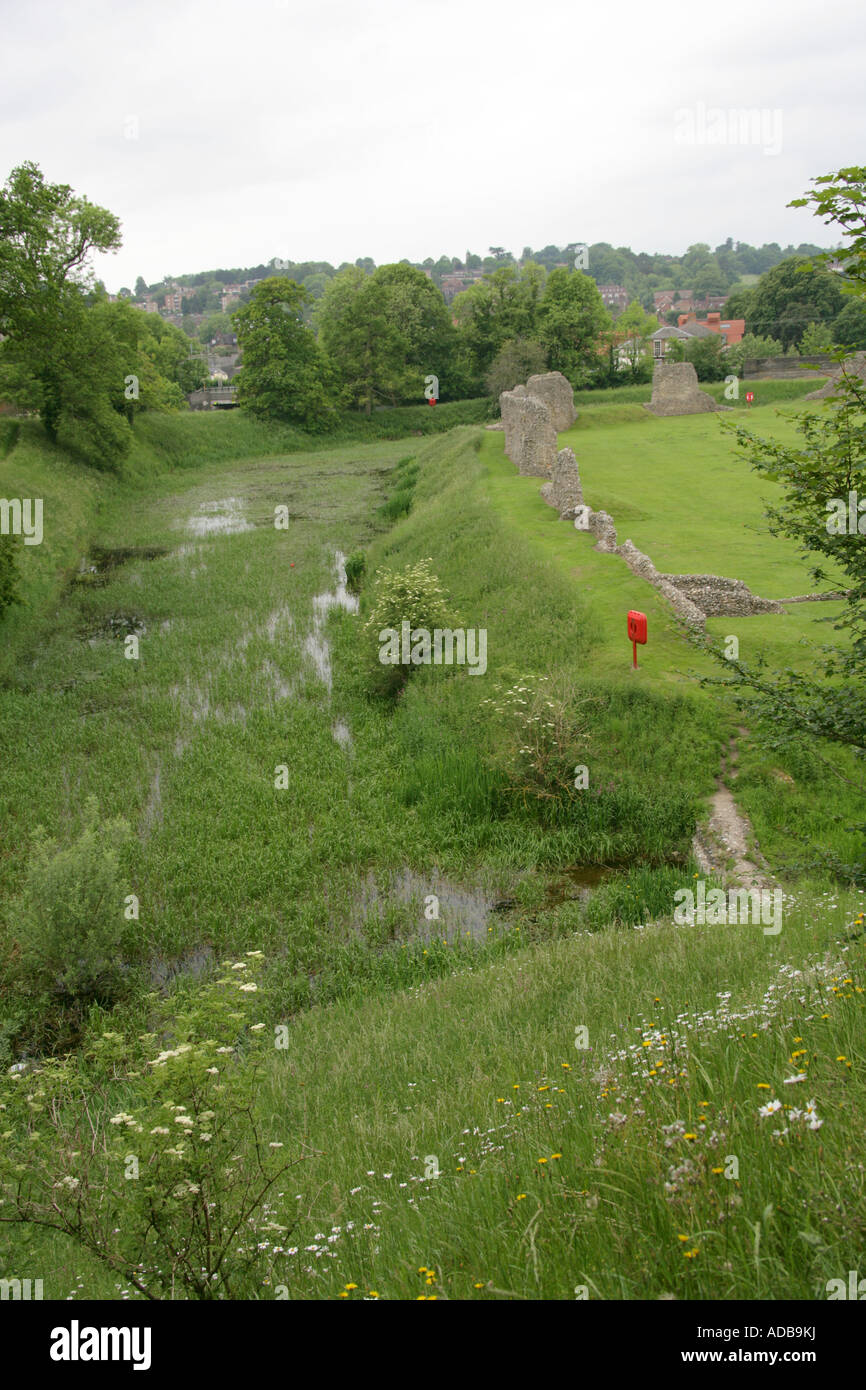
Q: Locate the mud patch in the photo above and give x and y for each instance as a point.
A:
(578, 883)
(97, 568)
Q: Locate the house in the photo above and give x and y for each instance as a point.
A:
(688, 326)
(614, 296)
(663, 302)
(731, 330)
(457, 280)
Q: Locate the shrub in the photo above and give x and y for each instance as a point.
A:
(356, 565)
(153, 1158)
(412, 595)
(541, 740)
(69, 922)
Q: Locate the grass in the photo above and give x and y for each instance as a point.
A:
(449, 1043)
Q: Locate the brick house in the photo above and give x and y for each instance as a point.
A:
(614, 296)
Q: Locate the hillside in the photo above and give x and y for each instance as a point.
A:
(415, 1041)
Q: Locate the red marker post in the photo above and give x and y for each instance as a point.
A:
(750, 396)
(636, 632)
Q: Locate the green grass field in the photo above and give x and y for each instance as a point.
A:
(449, 1045)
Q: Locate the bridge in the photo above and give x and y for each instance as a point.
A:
(213, 398)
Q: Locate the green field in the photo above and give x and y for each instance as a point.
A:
(452, 1039)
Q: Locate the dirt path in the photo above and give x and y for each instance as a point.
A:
(727, 834)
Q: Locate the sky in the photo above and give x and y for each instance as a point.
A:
(225, 134)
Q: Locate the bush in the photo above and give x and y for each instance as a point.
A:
(541, 741)
(149, 1155)
(69, 924)
(412, 595)
(356, 565)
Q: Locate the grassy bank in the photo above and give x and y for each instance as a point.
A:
(430, 947)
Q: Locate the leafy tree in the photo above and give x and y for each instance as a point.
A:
(516, 360)
(46, 235)
(637, 326)
(286, 375)
(818, 337)
(849, 326)
(140, 287)
(748, 349)
(572, 320)
(705, 355)
(738, 305)
(215, 326)
(791, 296)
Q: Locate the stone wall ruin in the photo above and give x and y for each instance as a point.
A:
(530, 438)
(676, 391)
(854, 366)
(556, 391)
(532, 415)
(564, 491)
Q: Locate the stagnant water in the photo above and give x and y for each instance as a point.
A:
(316, 645)
(222, 518)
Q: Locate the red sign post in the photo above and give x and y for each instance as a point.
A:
(750, 396)
(636, 632)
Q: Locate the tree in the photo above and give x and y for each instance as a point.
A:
(791, 296)
(386, 332)
(46, 235)
(637, 326)
(140, 287)
(286, 375)
(516, 360)
(818, 337)
(215, 326)
(572, 320)
(705, 355)
(750, 348)
(849, 326)
(504, 305)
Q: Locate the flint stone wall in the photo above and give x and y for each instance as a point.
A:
(556, 392)
(643, 566)
(855, 366)
(530, 438)
(676, 391)
(601, 525)
(722, 597)
(564, 491)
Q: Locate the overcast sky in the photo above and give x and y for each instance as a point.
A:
(223, 134)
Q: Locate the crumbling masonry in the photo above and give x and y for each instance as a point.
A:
(676, 391)
(533, 414)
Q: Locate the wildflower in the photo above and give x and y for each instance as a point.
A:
(770, 1109)
(521, 1196)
